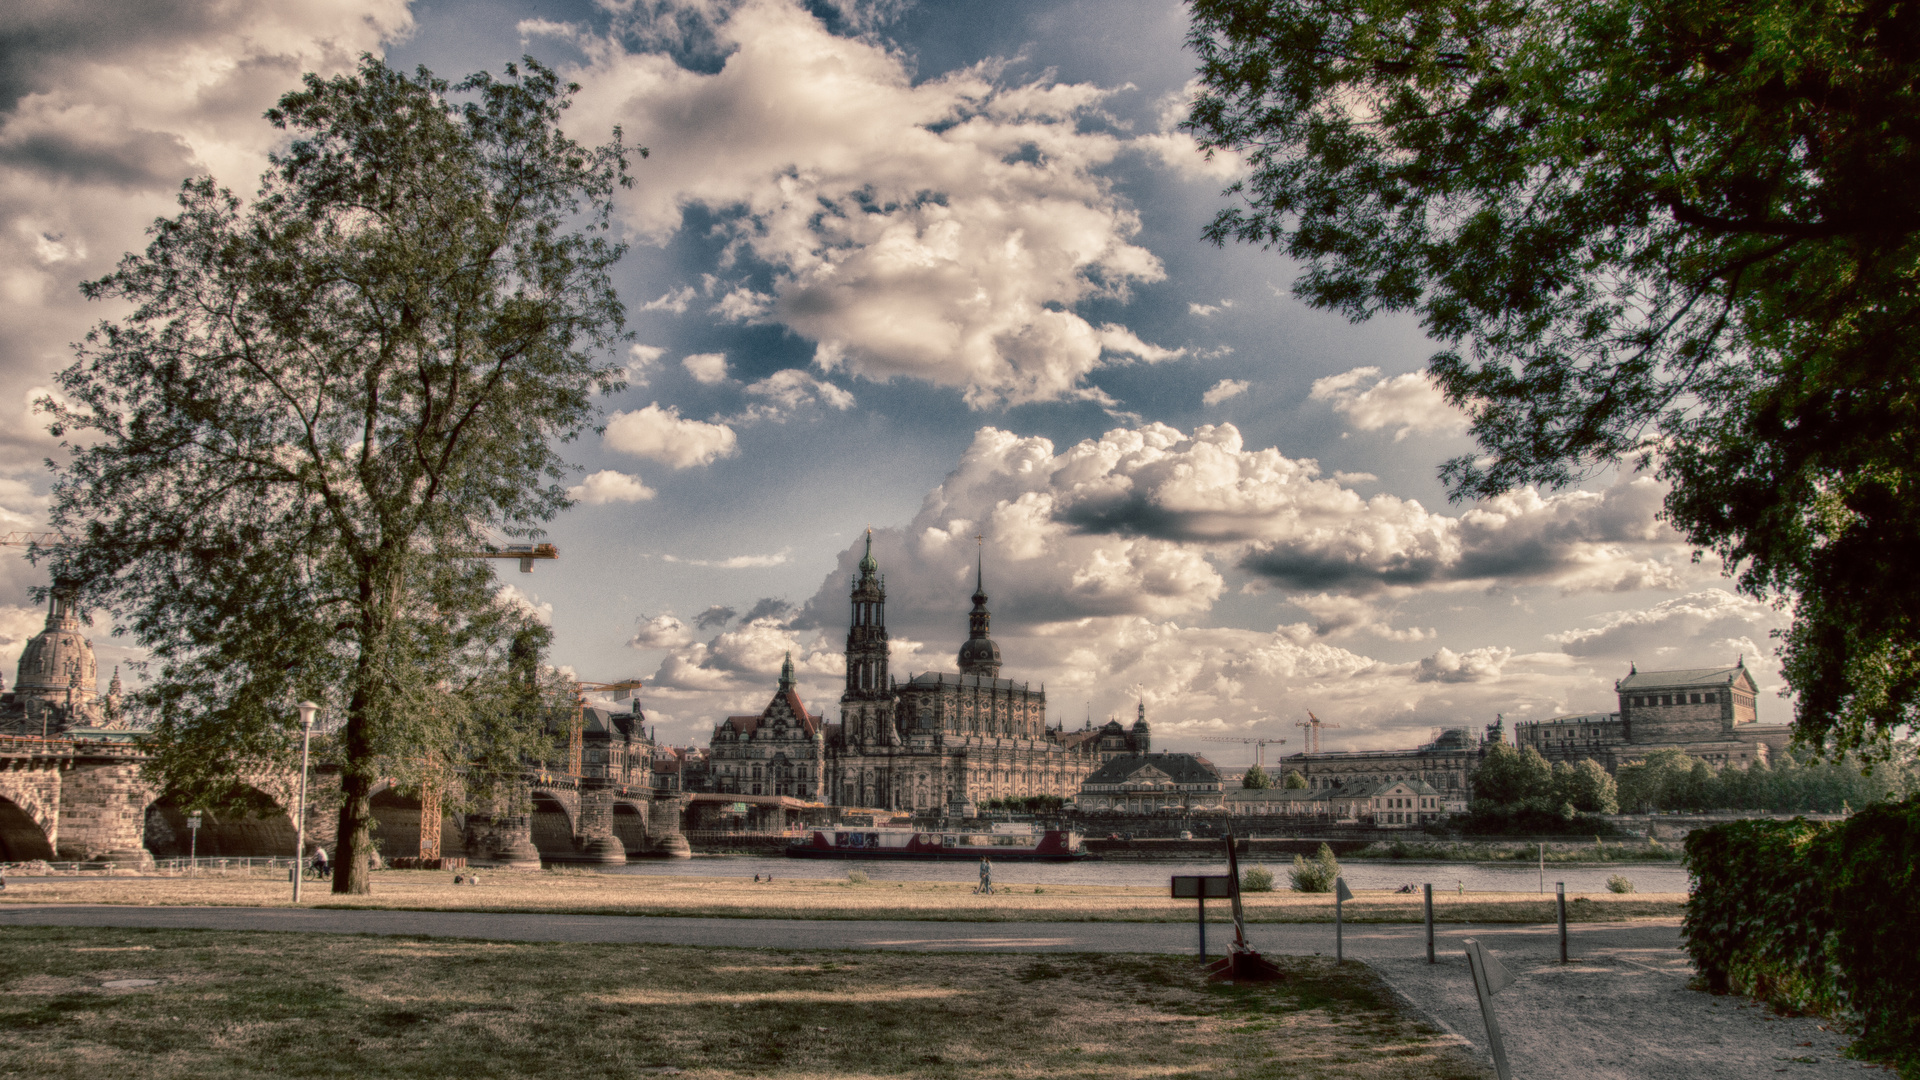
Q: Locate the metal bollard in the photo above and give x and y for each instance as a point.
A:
(1560, 890)
(1429, 892)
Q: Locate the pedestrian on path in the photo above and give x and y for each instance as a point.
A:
(986, 876)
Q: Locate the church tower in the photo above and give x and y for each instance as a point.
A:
(866, 707)
(979, 656)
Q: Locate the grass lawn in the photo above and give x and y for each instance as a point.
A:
(583, 893)
(287, 1005)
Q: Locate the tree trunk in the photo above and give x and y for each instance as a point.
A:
(351, 874)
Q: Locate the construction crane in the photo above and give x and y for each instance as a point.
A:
(1259, 745)
(1312, 725)
(526, 553)
(25, 537)
(576, 739)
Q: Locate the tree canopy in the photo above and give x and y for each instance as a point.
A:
(1256, 779)
(1665, 233)
(320, 400)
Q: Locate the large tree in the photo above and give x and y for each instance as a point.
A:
(1675, 233)
(319, 400)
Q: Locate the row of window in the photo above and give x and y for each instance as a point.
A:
(1649, 700)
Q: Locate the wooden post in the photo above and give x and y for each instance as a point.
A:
(1341, 894)
(1428, 888)
(1203, 924)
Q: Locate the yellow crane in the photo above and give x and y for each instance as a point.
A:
(1312, 725)
(525, 554)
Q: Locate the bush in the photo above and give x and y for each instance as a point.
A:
(1315, 875)
(1817, 918)
(1256, 879)
(1620, 883)
(856, 877)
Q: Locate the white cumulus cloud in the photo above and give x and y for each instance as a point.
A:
(1409, 404)
(1223, 390)
(937, 228)
(663, 435)
(610, 486)
(706, 368)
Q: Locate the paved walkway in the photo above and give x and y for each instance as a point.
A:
(1622, 1010)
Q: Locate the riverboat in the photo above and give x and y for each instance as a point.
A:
(1016, 844)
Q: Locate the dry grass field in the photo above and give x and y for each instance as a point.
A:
(229, 1005)
(581, 893)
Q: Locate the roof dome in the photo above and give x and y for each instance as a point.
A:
(979, 652)
(867, 563)
(59, 659)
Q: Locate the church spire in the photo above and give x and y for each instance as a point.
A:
(786, 673)
(980, 656)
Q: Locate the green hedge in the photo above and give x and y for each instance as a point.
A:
(1819, 918)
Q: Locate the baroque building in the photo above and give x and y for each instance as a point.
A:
(781, 751)
(1710, 713)
(940, 741)
(57, 686)
(1149, 783)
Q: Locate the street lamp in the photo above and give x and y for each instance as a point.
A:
(193, 840)
(307, 712)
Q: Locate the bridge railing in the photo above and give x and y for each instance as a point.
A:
(206, 864)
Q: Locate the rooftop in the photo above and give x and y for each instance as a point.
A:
(1714, 676)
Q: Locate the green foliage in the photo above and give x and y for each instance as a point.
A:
(1815, 917)
(1633, 226)
(315, 401)
(1585, 786)
(1506, 776)
(1315, 875)
(1673, 780)
(1256, 779)
(1294, 781)
(1619, 883)
(1256, 879)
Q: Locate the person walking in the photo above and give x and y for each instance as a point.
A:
(986, 877)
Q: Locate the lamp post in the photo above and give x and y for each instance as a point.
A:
(193, 840)
(307, 711)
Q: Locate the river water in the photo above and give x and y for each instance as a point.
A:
(1444, 876)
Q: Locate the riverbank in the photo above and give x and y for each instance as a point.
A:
(576, 892)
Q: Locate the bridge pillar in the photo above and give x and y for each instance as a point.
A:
(505, 840)
(663, 827)
(33, 787)
(103, 814)
(595, 838)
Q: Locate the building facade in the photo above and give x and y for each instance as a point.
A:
(56, 689)
(781, 751)
(940, 742)
(1446, 764)
(1150, 783)
(1710, 713)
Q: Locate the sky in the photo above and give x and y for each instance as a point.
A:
(933, 270)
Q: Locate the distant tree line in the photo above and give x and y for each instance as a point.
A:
(1673, 780)
(1025, 804)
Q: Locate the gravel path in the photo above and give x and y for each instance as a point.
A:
(1621, 1011)
(1618, 1011)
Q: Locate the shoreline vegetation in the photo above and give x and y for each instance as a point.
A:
(1600, 852)
(581, 892)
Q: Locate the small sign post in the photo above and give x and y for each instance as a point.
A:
(1341, 894)
(1489, 978)
(1199, 887)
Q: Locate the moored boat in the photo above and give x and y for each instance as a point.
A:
(1017, 844)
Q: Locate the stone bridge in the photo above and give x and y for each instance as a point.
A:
(83, 799)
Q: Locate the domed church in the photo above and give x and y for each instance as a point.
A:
(57, 687)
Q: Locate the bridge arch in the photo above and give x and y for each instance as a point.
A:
(21, 837)
(268, 831)
(630, 825)
(552, 825)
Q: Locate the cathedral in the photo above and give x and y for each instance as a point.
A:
(944, 740)
(56, 690)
